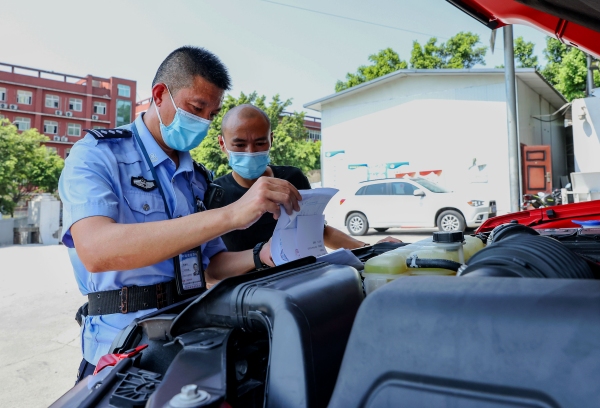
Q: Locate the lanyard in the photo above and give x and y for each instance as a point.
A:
(176, 261)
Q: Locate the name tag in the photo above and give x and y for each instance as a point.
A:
(191, 270)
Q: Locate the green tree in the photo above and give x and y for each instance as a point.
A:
(567, 69)
(460, 51)
(383, 63)
(289, 136)
(524, 56)
(27, 166)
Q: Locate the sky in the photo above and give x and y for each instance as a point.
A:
(271, 47)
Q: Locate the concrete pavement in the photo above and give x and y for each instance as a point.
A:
(39, 338)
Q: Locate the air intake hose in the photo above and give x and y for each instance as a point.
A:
(528, 256)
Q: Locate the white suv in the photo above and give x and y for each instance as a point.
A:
(414, 202)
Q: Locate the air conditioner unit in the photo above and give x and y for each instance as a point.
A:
(68, 113)
(3, 105)
(14, 107)
(58, 112)
(64, 139)
(56, 138)
(94, 117)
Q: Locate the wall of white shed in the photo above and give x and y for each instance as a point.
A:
(543, 130)
(435, 123)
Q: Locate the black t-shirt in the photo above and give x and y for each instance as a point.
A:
(261, 230)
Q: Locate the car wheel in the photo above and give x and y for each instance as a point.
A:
(451, 221)
(381, 229)
(357, 224)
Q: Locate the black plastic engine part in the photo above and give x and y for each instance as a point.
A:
(448, 237)
(305, 315)
(135, 389)
(528, 257)
(509, 230)
(474, 343)
(416, 262)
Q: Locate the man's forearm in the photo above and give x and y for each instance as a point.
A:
(104, 245)
(336, 239)
(226, 264)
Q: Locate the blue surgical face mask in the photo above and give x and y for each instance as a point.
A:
(185, 132)
(248, 165)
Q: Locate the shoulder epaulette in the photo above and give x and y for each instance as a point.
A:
(208, 175)
(101, 134)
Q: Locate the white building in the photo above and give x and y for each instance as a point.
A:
(418, 121)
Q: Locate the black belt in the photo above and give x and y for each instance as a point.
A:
(130, 299)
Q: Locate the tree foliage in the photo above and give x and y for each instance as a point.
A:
(26, 166)
(290, 147)
(524, 54)
(567, 69)
(383, 63)
(460, 51)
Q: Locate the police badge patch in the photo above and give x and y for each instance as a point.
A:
(143, 184)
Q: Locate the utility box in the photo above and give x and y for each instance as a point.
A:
(586, 141)
(44, 212)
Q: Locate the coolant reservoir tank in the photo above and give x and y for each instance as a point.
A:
(445, 245)
(472, 246)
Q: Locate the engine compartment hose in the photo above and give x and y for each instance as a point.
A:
(416, 262)
(528, 256)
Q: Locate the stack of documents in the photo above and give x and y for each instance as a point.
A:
(301, 234)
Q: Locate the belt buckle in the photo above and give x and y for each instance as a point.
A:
(161, 295)
(124, 306)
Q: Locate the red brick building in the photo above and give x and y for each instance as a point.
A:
(62, 105)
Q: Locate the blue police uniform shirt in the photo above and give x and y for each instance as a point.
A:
(97, 181)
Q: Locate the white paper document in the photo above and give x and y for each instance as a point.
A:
(301, 234)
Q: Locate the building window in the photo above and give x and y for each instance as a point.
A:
(67, 152)
(123, 112)
(52, 149)
(75, 104)
(98, 127)
(22, 123)
(2, 94)
(74, 129)
(124, 90)
(314, 135)
(52, 101)
(99, 108)
(24, 97)
(50, 127)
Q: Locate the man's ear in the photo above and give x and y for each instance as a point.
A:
(271, 137)
(222, 143)
(158, 92)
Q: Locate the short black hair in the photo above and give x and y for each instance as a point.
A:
(182, 65)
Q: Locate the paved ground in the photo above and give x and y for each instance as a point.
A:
(39, 346)
(39, 338)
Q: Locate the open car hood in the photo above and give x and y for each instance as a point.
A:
(558, 216)
(574, 22)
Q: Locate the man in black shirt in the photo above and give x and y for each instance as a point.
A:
(246, 139)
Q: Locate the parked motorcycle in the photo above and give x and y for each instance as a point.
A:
(541, 199)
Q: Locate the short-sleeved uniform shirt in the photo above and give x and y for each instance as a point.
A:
(261, 230)
(97, 181)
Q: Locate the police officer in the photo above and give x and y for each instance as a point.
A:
(134, 219)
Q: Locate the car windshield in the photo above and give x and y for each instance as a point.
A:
(430, 185)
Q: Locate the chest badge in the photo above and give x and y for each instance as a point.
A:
(143, 184)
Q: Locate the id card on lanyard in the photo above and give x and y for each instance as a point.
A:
(188, 267)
